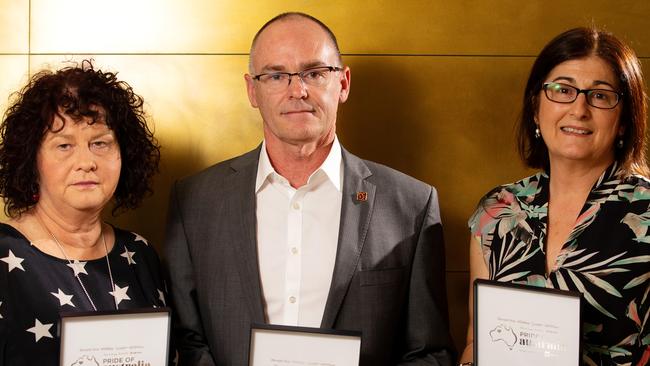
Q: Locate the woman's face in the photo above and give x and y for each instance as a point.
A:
(578, 131)
(78, 166)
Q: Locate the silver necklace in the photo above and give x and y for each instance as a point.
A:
(108, 264)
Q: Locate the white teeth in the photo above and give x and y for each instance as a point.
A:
(575, 130)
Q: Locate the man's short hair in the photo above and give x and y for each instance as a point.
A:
(294, 14)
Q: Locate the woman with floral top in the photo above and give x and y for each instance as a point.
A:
(581, 223)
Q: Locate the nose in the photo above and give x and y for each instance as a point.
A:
(85, 159)
(580, 107)
(297, 89)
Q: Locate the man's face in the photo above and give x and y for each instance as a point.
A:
(300, 113)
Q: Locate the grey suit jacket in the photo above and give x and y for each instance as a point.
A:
(388, 280)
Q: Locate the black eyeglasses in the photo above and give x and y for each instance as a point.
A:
(315, 76)
(598, 98)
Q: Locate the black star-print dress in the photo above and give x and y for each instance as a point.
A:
(35, 287)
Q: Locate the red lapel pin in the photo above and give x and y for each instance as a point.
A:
(362, 196)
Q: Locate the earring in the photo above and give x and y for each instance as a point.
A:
(537, 133)
(619, 143)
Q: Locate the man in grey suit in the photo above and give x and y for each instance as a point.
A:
(299, 231)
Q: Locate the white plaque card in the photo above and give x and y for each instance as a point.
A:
(114, 338)
(276, 345)
(525, 325)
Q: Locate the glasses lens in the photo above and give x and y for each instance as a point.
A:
(275, 80)
(317, 76)
(560, 93)
(602, 98)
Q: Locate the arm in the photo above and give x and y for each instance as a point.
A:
(427, 339)
(187, 328)
(477, 269)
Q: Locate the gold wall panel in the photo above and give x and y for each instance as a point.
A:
(13, 76)
(406, 27)
(14, 26)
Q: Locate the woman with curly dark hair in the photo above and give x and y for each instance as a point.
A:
(73, 142)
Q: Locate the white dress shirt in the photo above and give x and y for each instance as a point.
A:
(297, 237)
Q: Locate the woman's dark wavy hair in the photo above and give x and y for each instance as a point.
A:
(76, 92)
(579, 43)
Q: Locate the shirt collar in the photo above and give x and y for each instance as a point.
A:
(332, 166)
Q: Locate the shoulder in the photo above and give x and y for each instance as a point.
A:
(130, 237)
(395, 194)
(504, 198)
(134, 242)
(385, 177)
(634, 188)
(213, 176)
(10, 237)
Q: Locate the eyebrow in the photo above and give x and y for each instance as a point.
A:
(595, 83)
(68, 136)
(304, 66)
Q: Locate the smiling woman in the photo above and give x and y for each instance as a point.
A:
(72, 142)
(581, 223)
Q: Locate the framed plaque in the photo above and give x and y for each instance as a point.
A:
(112, 338)
(278, 345)
(525, 325)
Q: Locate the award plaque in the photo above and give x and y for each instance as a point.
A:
(277, 345)
(525, 325)
(111, 338)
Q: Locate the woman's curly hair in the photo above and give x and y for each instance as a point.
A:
(76, 92)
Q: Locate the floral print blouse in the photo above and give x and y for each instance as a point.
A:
(606, 257)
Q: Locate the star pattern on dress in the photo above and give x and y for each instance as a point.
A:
(13, 261)
(63, 298)
(40, 330)
(161, 296)
(140, 238)
(120, 294)
(78, 267)
(128, 255)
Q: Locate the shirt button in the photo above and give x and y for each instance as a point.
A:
(296, 206)
(294, 250)
(292, 299)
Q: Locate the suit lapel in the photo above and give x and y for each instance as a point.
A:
(242, 207)
(356, 211)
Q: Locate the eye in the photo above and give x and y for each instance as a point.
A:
(600, 95)
(314, 74)
(63, 147)
(275, 77)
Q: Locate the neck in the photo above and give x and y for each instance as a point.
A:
(296, 162)
(570, 177)
(76, 232)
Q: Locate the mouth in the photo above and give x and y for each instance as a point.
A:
(576, 130)
(298, 111)
(85, 184)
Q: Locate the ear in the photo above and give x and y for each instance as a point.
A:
(250, 90)
(345, 84)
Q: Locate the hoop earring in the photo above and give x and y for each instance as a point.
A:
(537, 133)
